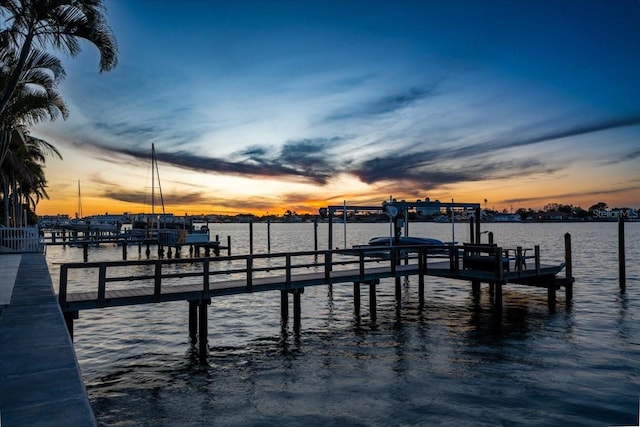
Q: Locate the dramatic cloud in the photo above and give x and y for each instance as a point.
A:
(383, 105)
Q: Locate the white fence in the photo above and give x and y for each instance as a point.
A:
(20, 240)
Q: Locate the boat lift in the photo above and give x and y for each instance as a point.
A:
(398, 212)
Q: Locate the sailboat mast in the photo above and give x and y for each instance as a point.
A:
(153, 175)
(155, 171)
(79, 213)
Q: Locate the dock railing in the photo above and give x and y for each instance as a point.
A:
(286, 268)
(208, 270)
(20, 240)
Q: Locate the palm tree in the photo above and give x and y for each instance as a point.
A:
(22, 178)
(36, 97)
(56, 23)
(22, 156)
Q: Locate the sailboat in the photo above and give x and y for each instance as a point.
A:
(90, 224)
(158, 222)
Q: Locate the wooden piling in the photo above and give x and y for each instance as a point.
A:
(297, 311)
(69, 317)
(471, 231)
(475, 286)
(315, 234)
(203, 330)
(268, 235)
(422, 270)
(567, 257)
(498, 294)
(356, 298)
(284, 308)
(551, 293)
(477, 215)
(621, 256)
(250, 237)
(372, 300)
(193, 321)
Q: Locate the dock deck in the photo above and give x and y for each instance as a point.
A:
(198, 280)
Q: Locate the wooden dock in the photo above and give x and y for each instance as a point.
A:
(201, 279)
(169, 249)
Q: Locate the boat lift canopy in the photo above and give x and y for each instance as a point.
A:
(397, 209)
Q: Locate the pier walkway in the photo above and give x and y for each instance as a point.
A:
(40, 380)
(198, 280)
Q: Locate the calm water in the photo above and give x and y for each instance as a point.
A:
(456, 361)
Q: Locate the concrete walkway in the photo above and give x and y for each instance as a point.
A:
(40, 380)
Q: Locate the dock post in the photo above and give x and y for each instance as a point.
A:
(268, 235)
(500, 278)
(284, 309)
(193, 321)
(551, 293)
(475, 287)
(472, 234)
(491, 237)
(422, 271)
(315, 234)
(478, 225)
(85, 252)
(203, 330)
(356, 298)
(372, 300)
(398, 292)
(498, 294)
(69, 316)
(297, 310)
(567, 257)
(621, 256)
(568, 291)
(250, 237)
(228, 245)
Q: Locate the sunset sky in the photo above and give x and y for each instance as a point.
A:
(264, 106)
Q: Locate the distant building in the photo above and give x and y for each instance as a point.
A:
(552, 216)
(506, 218)
(48, 221)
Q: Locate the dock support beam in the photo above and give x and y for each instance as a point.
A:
(69, 317)
(475, 286)
(356, 299)
(621, 256)
(193, 321)
(551, 294)
(297, 311)
(203, 330)
(568, 291)
(284, 309)
(498, 294)
(372, 300)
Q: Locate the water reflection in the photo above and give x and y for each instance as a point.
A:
(453, 359)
